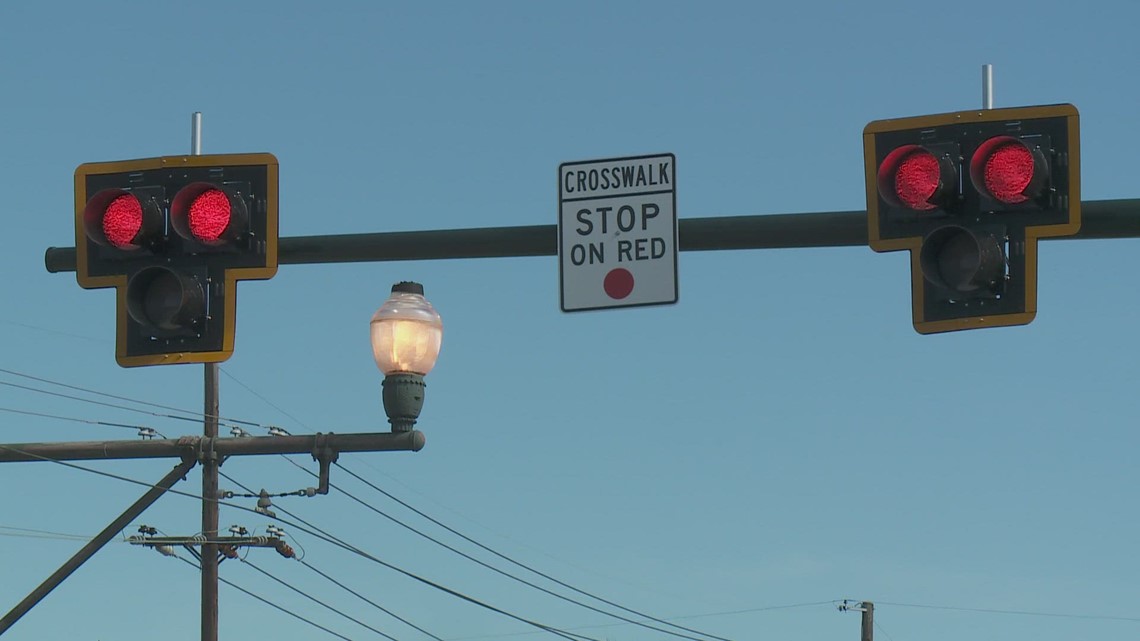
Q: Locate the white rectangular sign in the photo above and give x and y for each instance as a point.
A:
(617, 232)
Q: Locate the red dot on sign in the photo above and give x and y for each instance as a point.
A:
(1008, 172)
(917, 178)
(209, 215)
(618, 283)
(122, 221)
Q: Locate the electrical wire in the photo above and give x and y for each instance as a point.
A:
(319, 602)
(40, 534)
(338, 583)
(94, 402)
(520, 564)
(422, 514)
(264, 600)
(885, 633)
(496, 553)
(79, 420)
(520, 579)
(323, 535)
(685, 616)
(369, 601)
(196, 416)
(53, 331)
(1062, 615)
(193, 415)
(266, 401)
(315, 530)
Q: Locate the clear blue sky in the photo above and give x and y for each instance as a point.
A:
(780, 436)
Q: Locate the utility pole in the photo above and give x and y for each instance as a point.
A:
(210, 463)
(325, 448)
(867, 622)
(867, 625)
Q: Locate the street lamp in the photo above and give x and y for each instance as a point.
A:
(406, 334)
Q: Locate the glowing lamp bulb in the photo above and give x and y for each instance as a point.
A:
(406, 332)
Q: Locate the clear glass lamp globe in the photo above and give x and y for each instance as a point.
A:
(406, 332)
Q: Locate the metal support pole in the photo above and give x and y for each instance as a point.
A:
(867, 626)
(1099, 219)
(93, 546)
(222, 448)
(987, 86)
(210, 462)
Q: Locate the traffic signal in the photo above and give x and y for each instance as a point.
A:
(173, 235)
(969, 194)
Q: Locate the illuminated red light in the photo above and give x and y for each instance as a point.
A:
(916, 179)
(122, 221)
(209, 215)
(1008, 172)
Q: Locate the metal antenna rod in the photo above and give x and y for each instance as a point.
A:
(196, 134)
(987, 86)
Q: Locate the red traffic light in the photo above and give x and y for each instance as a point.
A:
(210, 214)
(969, 194)
(122, 219)
(175, 235)
(1008, 170)
(916, 178)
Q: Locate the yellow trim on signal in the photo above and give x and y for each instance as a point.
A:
(119, 281)
(1032, 233)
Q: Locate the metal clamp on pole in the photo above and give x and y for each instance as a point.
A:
(325, 455)
(207, 453)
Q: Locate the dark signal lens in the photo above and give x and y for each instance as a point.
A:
(164, 300)
(209, 215)
(1009, 171)
(961, 260)
(122, 221)
(914, 177)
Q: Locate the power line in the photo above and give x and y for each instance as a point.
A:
(94, 402)
(686, 616)
(520, 579)
(266, 401)
(78, 420)
(193, 415)
(1062, 615)
(330, 538)
(266, 601)
(54, 331)
(522, 565)
(473, 559)
(323, 535)
(40, 534)
(369, 601)
(318, 601)
(491, 567)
